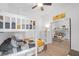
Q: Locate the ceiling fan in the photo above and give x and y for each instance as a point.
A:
(41, 5)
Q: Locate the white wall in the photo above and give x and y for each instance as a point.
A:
(73, 12)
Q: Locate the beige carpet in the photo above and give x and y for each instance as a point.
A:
(56, 49)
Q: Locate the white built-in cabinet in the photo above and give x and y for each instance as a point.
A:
(12, 22)
(15, 23)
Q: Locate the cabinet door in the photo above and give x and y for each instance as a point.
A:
(31, 24)
(27, 24)
(13, 23)
(7, 22)
(18, 23)
(23, 23)
(1, 22)
(34, 24)
(1, 25)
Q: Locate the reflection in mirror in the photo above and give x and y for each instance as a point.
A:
(61, 36)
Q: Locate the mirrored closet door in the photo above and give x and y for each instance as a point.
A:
(61, 36)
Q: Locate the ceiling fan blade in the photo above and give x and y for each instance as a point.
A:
(49, 4)
(34, 6)
(42, 8)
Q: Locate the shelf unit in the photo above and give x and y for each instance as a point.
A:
(12, 22)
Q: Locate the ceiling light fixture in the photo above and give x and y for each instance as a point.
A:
(40, 4)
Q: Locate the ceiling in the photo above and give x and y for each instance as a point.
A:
(26, 8)
(22, 8)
